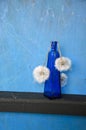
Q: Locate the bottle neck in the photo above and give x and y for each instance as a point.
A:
(54, 46)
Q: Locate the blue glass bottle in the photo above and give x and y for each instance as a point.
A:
(52, 88)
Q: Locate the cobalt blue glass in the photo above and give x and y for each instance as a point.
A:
(52, 87)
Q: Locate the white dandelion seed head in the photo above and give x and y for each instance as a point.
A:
(41, 74)
(63, 63)
(63, 79)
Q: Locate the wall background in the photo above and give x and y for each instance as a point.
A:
(26, 29)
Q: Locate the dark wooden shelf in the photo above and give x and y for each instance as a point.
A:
(37, 103)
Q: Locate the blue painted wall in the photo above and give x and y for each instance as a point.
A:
(26, 29)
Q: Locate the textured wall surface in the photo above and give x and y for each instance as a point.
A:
(26, 29)
(12, 121)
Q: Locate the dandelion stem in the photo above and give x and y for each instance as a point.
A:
(46, 58)
(59, 50)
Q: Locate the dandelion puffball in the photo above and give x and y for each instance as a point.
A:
(41, 74)
(63, 79)
(63, 63)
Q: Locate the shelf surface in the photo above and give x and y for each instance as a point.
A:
(37, 103)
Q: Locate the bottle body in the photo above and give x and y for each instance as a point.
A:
(52, 88)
